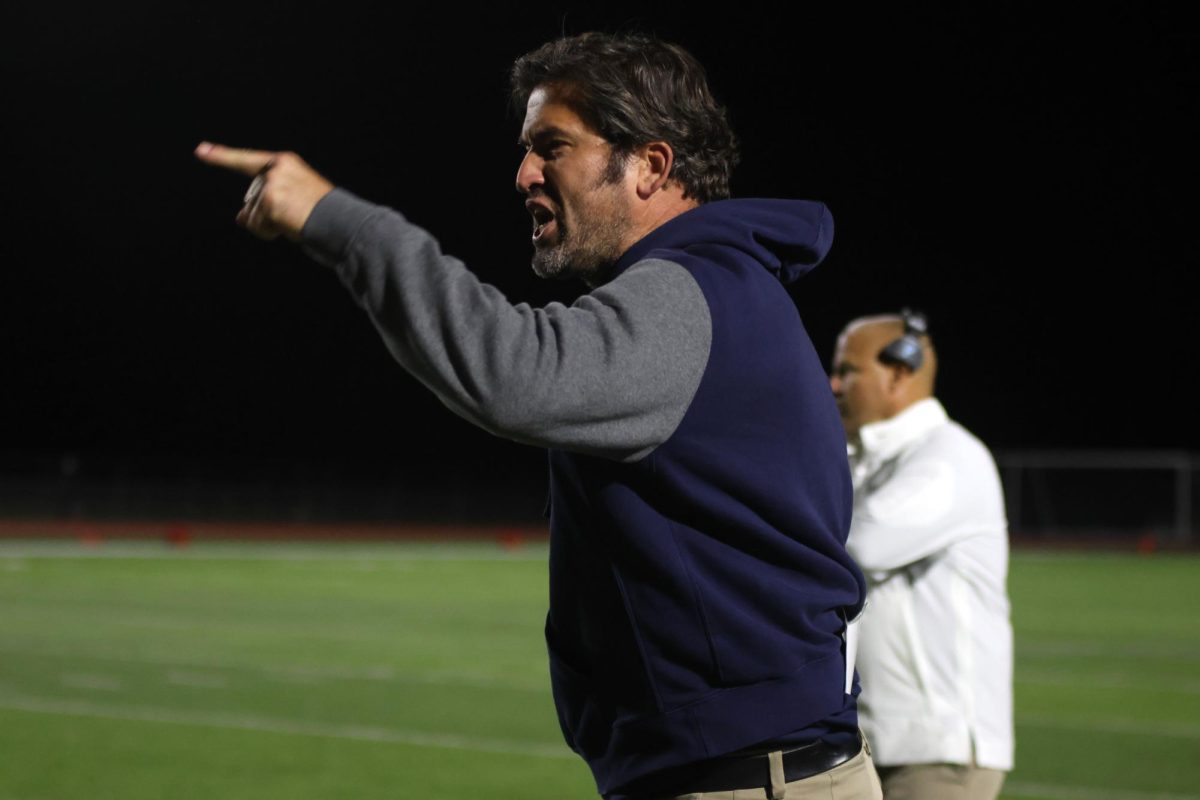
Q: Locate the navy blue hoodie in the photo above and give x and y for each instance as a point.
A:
(697, 595)
(700, 493)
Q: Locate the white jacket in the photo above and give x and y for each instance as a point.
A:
(935, 642)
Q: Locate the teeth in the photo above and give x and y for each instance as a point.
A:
(542, 217)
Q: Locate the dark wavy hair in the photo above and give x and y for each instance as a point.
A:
(633, 89)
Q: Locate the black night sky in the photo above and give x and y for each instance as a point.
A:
(1025, 180)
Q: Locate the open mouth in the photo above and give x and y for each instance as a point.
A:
(543, 220)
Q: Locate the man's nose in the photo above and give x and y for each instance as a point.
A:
(529, 174)
(835, 383)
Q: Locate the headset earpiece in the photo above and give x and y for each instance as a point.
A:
(906, 351)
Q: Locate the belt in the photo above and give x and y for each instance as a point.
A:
(753, 771)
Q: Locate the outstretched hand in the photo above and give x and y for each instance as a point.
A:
(283, 193)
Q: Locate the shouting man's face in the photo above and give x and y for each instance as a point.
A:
(578, 194)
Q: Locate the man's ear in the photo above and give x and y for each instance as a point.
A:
(655, 160)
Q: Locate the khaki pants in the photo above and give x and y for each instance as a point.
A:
(854, 780)
(940, 782)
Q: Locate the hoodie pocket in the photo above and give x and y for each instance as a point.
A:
(572, 692)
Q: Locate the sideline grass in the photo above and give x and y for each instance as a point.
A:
(1107, 676)
(364, 671)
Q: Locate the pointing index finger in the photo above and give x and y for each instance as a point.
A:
(247, 162)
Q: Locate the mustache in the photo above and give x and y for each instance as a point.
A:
(542, 193)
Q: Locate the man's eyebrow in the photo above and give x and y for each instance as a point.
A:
(541, 134)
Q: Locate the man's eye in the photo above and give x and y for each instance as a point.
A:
(545, 149)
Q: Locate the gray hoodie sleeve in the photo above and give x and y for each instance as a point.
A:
(611, 375)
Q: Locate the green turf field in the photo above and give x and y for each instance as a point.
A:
(398, 671)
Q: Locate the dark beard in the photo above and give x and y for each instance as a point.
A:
(588, 254)
(563, 262)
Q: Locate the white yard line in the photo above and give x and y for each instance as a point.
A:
(1084, 556)
(389, 675)
(308, 673)
(259, 724)
(92, 681)
(1091, 648)
(1054, 791)
(1173, 730)
(277, 551)
(198, 680)
(1108, 680)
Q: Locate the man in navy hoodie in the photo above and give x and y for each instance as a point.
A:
(700, 494)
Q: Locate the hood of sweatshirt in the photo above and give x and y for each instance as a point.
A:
(788, 237)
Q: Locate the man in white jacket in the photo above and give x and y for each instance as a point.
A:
(929, 530)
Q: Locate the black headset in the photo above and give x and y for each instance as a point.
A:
(906, 351)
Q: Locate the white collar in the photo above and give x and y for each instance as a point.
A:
(883, 439)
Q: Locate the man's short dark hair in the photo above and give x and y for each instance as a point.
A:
(634, 89)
